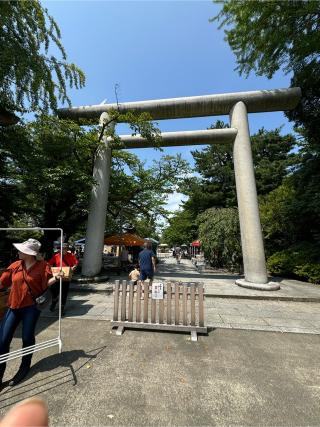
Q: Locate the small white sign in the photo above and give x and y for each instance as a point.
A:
(157, 290)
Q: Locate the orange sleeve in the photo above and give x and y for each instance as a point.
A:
(6, 276)
(5, 279)
(46, 275)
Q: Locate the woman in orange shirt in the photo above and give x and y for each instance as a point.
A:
(22, 276)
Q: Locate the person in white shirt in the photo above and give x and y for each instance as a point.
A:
(134, 275)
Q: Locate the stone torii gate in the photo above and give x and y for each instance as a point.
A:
(237, 105)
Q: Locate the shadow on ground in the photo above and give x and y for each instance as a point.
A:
(52, 380)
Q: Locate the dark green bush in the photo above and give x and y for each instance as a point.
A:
(301, 261)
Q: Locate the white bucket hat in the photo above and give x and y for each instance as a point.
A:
(29, 247)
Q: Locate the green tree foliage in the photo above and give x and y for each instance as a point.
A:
(267, 36)
(301, 260)
(141, 193)
(216, 185)
(213, 191)
(31, 77)
(182, 229)
(48, 165)
(278, 214)
(219, 232)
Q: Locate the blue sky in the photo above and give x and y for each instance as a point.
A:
(155, 49)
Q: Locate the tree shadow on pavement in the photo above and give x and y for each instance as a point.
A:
(31, 387)
(197, 276)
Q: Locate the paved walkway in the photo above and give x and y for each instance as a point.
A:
(228, 378)
(294, 308)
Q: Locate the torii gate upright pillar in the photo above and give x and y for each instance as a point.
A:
(254, 263)
(92, 261)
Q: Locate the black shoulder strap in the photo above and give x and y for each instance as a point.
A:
(27, 283)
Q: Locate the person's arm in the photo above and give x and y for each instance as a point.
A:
(75, 262)
(154, 262)
(6, 279)
(52, 279)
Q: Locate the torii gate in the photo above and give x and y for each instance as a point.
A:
(237, 105)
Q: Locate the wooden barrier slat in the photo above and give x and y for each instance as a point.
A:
(176, 305)
(184, 304)
(145, 302)
(138, 302)
(161, 309)
(201, 308)
(130, 308)
(116, 300)
(169, 303)
(193, 305)
(153, 310)
(123, 300)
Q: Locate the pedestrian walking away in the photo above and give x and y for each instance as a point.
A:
(147, 262)
(27, 278)
(68, 260)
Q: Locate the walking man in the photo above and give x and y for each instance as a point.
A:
(147, 263)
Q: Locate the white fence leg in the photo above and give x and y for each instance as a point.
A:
(119, 330)
(194, 336)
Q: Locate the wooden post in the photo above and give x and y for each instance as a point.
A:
(145, 305)
(123, 300)
(116, 301)
(169, 303)
(201, 308)
(176, 308)
(138, 302)
(193, 305)
(130, 308)
(184, 304)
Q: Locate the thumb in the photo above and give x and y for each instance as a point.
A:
(29, 412)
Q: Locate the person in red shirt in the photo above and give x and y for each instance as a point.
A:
(27, 278)
(68, 260)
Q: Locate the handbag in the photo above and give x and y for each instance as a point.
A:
(42, 300)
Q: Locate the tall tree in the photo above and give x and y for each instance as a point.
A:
(31, 77)
(267, 36)
(215, 187)
(181, 229)
(219, 232)
(49, 163)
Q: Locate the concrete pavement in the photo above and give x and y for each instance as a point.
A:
(245, 372)
(144, 378)
(294, 308)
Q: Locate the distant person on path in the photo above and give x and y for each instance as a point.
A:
(27, 279)
(134, 275)
(178, 254)
(147, 262)
(124, 257)
(68, 260)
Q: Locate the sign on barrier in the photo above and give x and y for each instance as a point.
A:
(45, 344)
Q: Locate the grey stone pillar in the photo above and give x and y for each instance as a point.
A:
(250, 226)
(92, 260)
